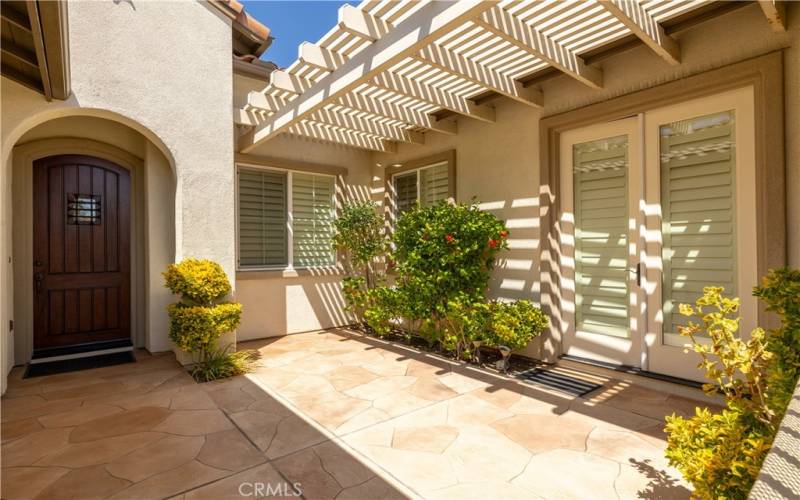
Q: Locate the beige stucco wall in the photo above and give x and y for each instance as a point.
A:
(276, 303)
(169, 80)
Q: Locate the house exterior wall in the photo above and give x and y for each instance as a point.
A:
(134, 64)
(498, 163)
(277, 302)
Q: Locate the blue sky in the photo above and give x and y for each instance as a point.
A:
(293, 22)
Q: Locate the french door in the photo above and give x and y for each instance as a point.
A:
(654, 208)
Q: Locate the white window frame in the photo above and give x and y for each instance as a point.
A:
(289, 220)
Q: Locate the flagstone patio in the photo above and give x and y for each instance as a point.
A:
(343, 415)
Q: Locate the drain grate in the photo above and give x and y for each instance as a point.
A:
(73, 365)
(558, 381)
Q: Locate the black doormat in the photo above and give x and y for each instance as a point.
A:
(558, 381)
(77, 364)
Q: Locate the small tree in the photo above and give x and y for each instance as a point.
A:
(360, 234)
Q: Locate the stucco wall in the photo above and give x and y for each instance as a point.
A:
(276, 303)
(163, 69)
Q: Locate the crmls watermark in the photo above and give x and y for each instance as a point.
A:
(265, 490)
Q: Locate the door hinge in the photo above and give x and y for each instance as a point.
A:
(11, 325)
(638, 274)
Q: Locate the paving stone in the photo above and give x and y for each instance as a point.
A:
(433, 439)
(86, 484)
(18, 428)
(78, 416)
(28, 449)
(24, 483)
(169, 483)
(250, 483)
(194, 422)
(99, 451)
(539, 433)
(126, 422)
(229, 450)
(163, 455)
(569, 474)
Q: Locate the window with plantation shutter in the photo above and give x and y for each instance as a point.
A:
(313, 212)
(262, 218)
(428, 185)
(698, 207)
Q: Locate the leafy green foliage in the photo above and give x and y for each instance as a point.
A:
(384, 308)
(721, 454)
(196, 328)
(360, 234)
(444, 253)
(197, 322)
(514, 324)
(199, 281)
(221, 363)
(465, 321)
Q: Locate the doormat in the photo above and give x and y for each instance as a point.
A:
(77, 364)
(558, 381)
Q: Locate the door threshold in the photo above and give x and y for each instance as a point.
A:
(80, 351)
(632, 370)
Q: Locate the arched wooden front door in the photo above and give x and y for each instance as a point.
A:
(81, 259)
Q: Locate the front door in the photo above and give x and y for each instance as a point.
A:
(81, 252)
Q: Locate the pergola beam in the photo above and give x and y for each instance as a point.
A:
(38, 43)
(325, 132)
(263, 102)
(361, 124)
(424, 26)
(776, 14)
(386, 109)
(514, 30)
(362, 24)
(283, 80)
(320, 57)
(456, 64)
(645, 27)
(433, 95)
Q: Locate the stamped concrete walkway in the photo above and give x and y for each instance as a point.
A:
(341, 415)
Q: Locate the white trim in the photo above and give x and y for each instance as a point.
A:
(79, 355)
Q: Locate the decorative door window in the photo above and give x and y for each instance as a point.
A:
(83, 209)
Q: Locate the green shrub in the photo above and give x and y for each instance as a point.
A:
(221, 363)
(198, 321)
(721, 454)
(514, 324)
(384, 309)
(195, 328)
(466, 321)
(360, 234)
(197, 280)
(356, 295)
(444, 253)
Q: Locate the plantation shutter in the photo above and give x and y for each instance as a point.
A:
(434, 184)
(312, 219)
(697, 203)
(262, 218)
(600, 175)
(405, 189)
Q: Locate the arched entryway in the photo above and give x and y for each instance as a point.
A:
(93, 225)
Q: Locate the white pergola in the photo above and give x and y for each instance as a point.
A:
(390, 71)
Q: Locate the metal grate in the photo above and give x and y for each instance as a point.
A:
(83, 209)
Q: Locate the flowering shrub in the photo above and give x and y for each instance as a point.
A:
(721, 454)
(445, 253)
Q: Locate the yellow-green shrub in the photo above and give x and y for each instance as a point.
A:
(199, 281)
(721, 454)
(195, 328)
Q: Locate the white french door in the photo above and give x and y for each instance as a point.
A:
(654, 208)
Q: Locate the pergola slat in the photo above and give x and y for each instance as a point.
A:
(775, 11)
(433, 95)
(516, 31)
(420, 28)
(325, 132)
(454, 63)
(411, 116)
(365, 125)
(283, 80)
(261, 101)
(644, 26)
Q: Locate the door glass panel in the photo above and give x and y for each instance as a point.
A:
(697, 206)
(600, 179)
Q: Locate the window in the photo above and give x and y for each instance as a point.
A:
(428, 185)
(285, 219)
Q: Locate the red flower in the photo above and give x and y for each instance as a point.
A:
(504, 234)
(493, 243)
(449, 238)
